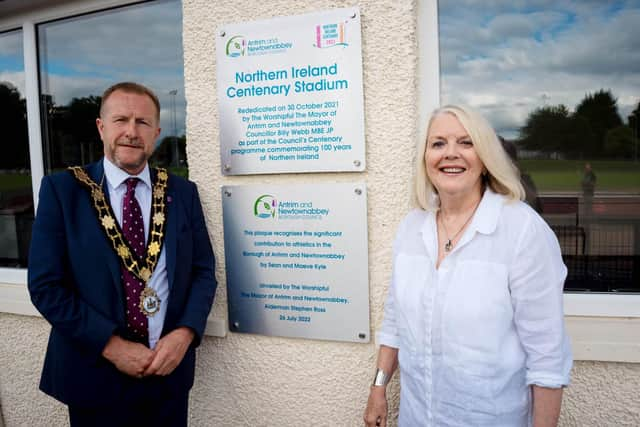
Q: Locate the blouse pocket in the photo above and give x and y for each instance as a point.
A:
(477, 316)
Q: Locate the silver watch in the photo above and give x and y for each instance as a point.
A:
(381, 378)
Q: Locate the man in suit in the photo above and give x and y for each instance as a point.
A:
(122, 267)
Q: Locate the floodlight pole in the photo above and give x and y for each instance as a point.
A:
(176, 152)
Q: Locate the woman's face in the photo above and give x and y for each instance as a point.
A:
(453, 166)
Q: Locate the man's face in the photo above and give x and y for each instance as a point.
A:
(128, 128)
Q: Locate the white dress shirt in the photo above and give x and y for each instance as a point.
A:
(117, 187)
(476, 332)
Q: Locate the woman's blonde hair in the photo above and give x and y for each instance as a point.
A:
(502, 175)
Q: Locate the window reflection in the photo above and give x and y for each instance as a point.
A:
(561, 82)
(16, 198)
(80, 57)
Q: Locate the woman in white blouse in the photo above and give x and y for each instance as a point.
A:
(474, 313)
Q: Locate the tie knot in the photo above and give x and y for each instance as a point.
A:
(131, 184)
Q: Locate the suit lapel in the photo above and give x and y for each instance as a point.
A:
(96, 173)
(171, 230)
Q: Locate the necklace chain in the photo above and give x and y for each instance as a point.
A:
(449, 244)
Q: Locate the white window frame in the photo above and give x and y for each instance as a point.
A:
(14, 295)
(603, 327)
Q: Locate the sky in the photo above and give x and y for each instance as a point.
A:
(12, 60)
(508, 57)
(83, 56)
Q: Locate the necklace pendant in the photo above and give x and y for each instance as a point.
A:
(448, 245)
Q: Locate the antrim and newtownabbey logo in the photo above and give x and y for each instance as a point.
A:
(265, 206)
(245, 46)
(236, 46)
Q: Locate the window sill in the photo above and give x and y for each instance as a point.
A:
(603, 327)
(601, 305)
(14, 297)
(605, 339)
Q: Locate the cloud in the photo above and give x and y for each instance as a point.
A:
(14, 78)
(11, 44)
(132, 38)
(508, 58)
(524, 25)
(82, 56)
(66, 88)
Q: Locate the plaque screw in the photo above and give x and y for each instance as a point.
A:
(227, 193)
(356, 163)
(227, 168)
(358, 191)
(236, 325)
(362, 335)
(222, 33)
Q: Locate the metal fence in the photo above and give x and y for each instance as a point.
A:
(600, 241)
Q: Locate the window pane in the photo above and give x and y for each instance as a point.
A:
(80, 57)
(16, 197)
(560, 81)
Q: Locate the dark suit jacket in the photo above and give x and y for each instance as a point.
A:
(74, 281)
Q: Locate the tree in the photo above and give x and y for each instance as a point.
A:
(72, 131)
(552, 129)
(600, 109)
(542, 128)
(634, 124)
(13, 122)
(619, 142)
(83, 113)
(583, 139)
(634, 120)
(164, 154)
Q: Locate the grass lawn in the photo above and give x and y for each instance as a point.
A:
(14, 181)
(548, 175)
(10, 182)
(565, 175)
(180, 171)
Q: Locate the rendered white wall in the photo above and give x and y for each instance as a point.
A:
(249, 380)
(268, 381)
(234, 387)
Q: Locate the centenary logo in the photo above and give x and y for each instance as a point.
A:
(331, 35)
(265, 206)
(236, 46)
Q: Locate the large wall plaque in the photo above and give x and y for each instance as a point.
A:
(290, 94)
(296, 260)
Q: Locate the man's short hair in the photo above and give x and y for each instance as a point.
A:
(131, 87)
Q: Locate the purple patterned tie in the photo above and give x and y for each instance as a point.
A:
(133, 230)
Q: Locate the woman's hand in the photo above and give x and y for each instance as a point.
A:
(376, 412)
